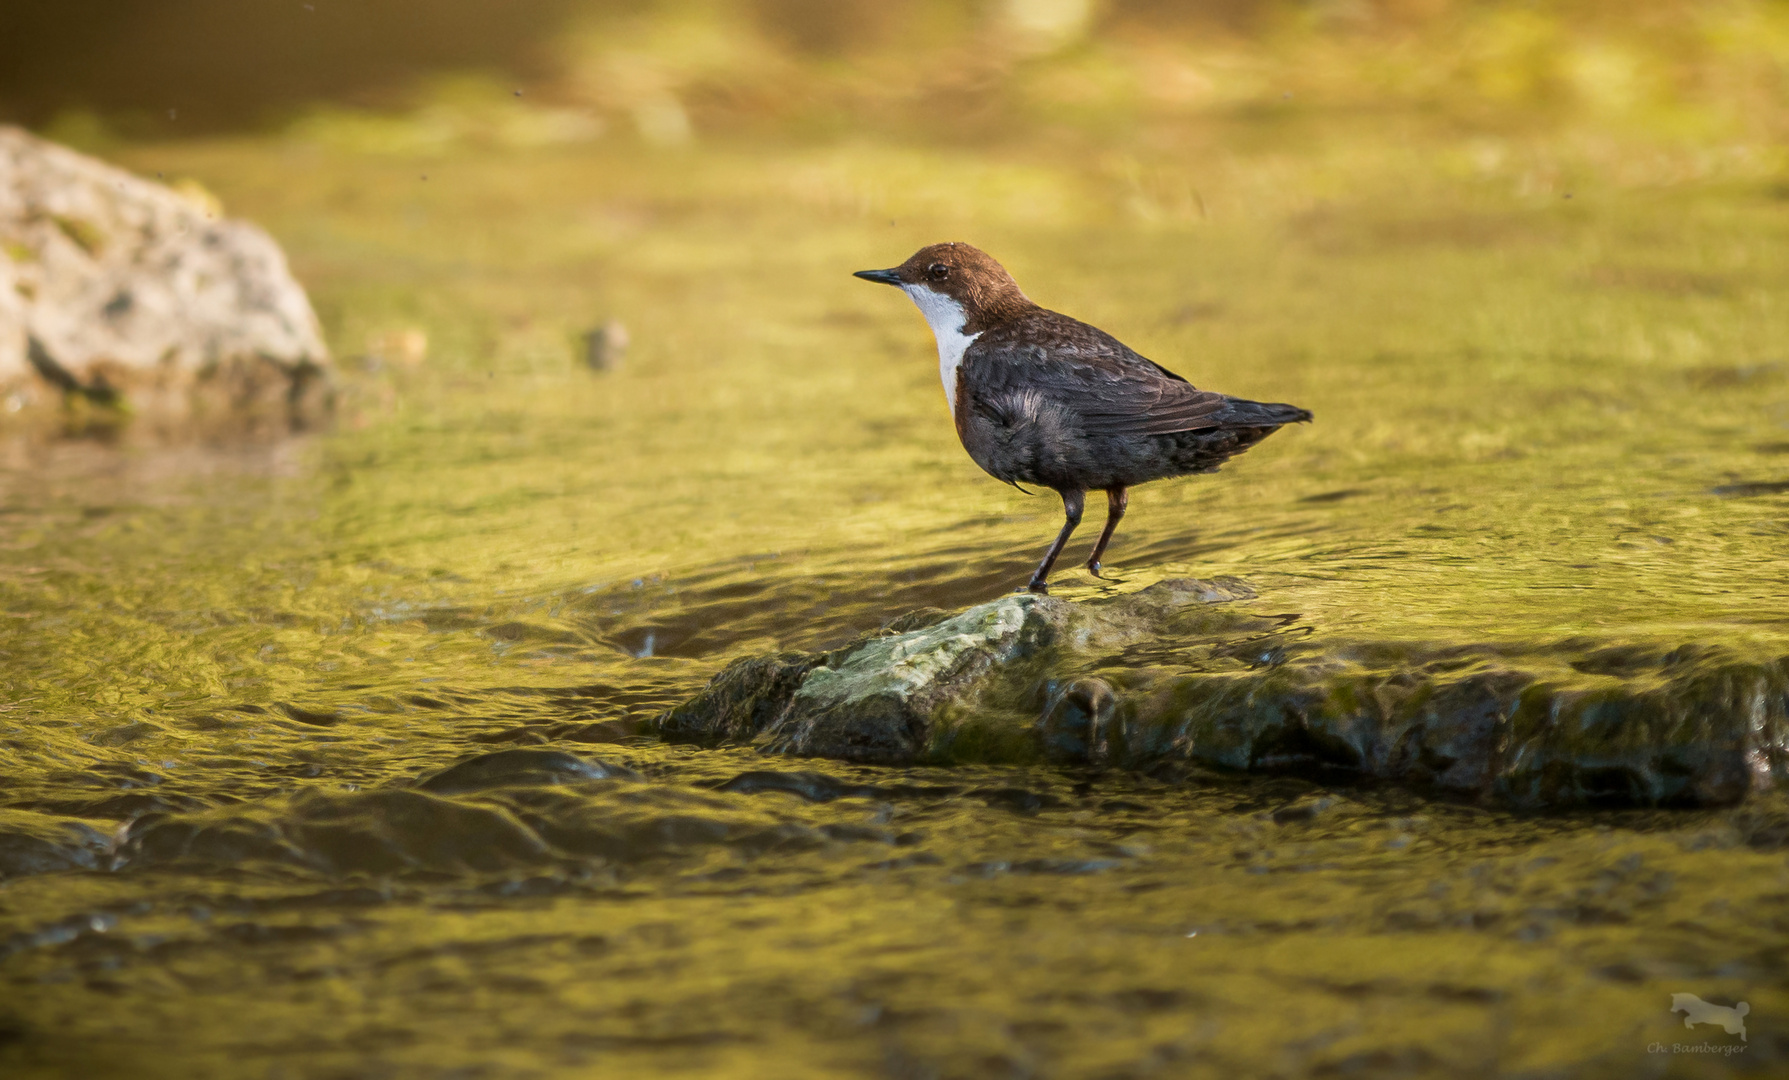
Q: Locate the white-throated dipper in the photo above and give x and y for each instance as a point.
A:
(1040, 398)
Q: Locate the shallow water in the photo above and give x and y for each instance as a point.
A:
(1562, 428)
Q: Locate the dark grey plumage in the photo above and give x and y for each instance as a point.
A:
(1046, 399)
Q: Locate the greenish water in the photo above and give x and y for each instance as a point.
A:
(1555, 423)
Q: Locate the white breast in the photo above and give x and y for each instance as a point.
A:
(945, 316)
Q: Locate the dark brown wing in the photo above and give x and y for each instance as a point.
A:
(1124, 407)
(1109, 388)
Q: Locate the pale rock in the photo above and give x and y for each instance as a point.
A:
(128, 288)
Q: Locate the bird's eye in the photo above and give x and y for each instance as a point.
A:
(938, 271)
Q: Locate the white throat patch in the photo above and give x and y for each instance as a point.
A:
(945, 316)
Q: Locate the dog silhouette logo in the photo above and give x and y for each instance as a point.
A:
(1696, 1011)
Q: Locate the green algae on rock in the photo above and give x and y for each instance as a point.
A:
(1181, 674)
(898, 697)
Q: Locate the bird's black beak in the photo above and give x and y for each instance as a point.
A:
(886, 277)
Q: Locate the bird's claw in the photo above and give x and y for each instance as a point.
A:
(1038, 586)
(1093, 568)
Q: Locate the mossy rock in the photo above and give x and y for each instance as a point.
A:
(1184, 672)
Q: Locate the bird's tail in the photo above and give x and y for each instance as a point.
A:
(1263, 414)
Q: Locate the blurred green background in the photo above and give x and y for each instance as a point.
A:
(919, 68)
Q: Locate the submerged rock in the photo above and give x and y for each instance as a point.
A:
(510, 768)
(117, 288)
(32, 843)
(1182, 674)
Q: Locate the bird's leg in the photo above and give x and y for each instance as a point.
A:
(1072, 502)
(1117, 498)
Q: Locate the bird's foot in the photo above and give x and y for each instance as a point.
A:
(1095, 568)
(1038, 586)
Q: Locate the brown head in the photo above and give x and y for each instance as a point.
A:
(945, 278)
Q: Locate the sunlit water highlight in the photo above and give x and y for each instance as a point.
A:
(227, 666)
